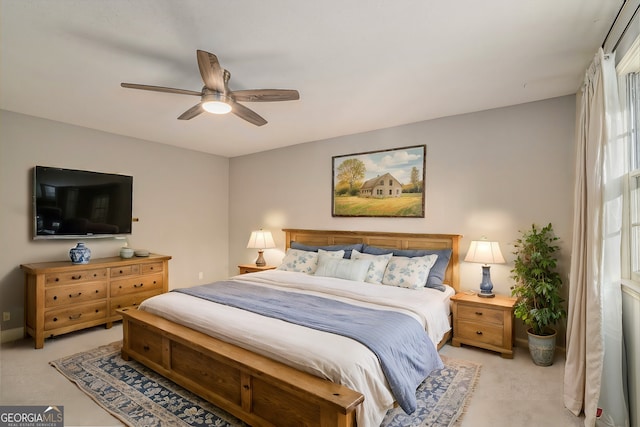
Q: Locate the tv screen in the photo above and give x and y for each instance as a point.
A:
(74, 203)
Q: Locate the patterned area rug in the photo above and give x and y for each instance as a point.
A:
(140, 397)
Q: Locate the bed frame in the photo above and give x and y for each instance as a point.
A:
(254, 388)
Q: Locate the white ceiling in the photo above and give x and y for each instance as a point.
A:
(359, 65)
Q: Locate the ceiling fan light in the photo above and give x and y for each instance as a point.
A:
(216, 107)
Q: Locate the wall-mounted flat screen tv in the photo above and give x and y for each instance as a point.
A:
(70, 203)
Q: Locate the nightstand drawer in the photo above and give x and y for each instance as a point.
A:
(480, 314)
(480, 332)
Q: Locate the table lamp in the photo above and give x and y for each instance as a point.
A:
(485, 252)
(261, 240)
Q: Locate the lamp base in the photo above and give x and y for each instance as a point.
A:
(486, 287)
(260, 262)
(483, 295)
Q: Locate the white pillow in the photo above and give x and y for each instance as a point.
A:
(378, 265)
(305, 261)
(409, 273)
(349, 269)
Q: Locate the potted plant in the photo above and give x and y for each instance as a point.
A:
(537, 287)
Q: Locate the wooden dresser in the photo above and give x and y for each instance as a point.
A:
(62, 297)
(483, 322)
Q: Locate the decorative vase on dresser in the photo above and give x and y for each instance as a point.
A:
(80, 254)
(62, 297)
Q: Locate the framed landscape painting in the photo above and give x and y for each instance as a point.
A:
(386, 183)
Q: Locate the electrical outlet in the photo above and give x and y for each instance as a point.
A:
(6, 316)
(200, 275)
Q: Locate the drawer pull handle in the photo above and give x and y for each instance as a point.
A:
(78, 277)
(55, 319)
(138, 286)
(478, 332)
(55, 297)
(145, 348)
(75, 316)
(76, 295)
(57, 279)
(479, 313)
(120, 271)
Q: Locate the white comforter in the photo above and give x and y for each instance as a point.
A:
(339, 359)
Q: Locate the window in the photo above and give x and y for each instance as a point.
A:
(634, 216)
(633, 195)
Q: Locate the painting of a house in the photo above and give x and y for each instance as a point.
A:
(387, 183)
(381, 186)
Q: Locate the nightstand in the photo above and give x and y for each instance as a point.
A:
(483, 322)
(252, 268)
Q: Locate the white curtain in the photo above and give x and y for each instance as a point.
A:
(594, 366)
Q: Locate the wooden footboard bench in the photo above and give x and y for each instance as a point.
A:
(256, 389)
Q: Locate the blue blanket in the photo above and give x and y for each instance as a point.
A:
(406, 354)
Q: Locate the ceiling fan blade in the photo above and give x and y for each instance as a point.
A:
(191, 112)
(211, 71)
(161, 89)
(266, 95)
(247, 114)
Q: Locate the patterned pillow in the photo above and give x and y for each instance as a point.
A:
(409, 273)
(305, 261)
(437, 273)
(378, 265)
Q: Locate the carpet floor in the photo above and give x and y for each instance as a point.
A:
(139, 397)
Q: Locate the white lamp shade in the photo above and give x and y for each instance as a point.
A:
(261, 240)
(485, 252)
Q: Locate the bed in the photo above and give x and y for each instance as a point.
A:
(247, 379)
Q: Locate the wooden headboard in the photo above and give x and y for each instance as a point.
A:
(384, 240)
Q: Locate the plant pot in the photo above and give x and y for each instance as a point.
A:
(542, 347)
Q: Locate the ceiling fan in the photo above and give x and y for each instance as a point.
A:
(216, 97)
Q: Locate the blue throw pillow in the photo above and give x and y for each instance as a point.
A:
(436, 274)
(346, 248)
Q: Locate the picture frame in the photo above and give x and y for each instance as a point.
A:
(383, 183)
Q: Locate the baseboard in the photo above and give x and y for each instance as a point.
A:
(11, 335)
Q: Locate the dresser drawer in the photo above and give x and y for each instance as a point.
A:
(480, 314)
(75, 276)
(127, 270)
(136, 284)
(73, 294)
(481, 332)
(75, 314)
(152, 267)
(133, 300)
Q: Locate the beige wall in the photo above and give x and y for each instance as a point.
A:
(180, 197)
(489, 173)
